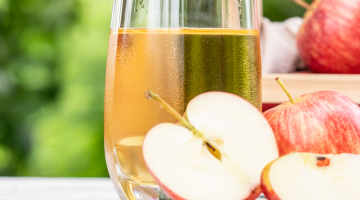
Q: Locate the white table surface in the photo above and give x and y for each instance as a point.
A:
(21, 188)
(12, 188)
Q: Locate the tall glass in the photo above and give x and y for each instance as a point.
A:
(178, 49)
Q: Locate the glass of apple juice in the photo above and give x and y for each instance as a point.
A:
(178, 49)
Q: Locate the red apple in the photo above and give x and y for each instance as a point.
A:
(218, 152)
(324, 122)
(329, 39)
(301, 176)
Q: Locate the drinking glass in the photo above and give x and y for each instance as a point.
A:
(178, 49)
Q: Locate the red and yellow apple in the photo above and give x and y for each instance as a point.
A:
(324, 122)
(329, 39)
(217, 153)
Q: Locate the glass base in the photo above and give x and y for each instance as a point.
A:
(261, 197)
(140, 192)
(128, 190)
(148, 192)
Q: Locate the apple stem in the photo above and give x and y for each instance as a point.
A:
(151, 95)
(285, 90)
(303, 4)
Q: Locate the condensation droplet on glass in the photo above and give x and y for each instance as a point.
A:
(240, 12)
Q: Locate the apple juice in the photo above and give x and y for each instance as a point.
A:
(177, 64)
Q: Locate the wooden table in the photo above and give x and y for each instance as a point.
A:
(12, 188)
(301, 83)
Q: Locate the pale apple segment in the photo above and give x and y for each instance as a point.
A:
(187, 168)
(298, 176)
(247, 139)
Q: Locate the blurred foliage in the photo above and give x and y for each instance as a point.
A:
(280, 10)
(52, 75)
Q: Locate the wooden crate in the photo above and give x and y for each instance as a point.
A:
(301, 83)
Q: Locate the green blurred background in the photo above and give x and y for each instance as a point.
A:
(52, 76)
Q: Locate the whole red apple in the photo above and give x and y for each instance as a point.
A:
(329, 39)
(324, 122)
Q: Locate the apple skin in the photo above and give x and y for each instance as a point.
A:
(165, 189)
(329, 39)
(253, 196)
(265, 183)
(325, 122)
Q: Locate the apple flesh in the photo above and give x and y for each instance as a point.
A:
(300, 176)
(328, 40)
(324, 122)
(184, 167)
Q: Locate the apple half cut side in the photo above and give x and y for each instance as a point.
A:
(300, 176)
(181, 163)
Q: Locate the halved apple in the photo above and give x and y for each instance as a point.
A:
(218, 153)
(300, 176)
